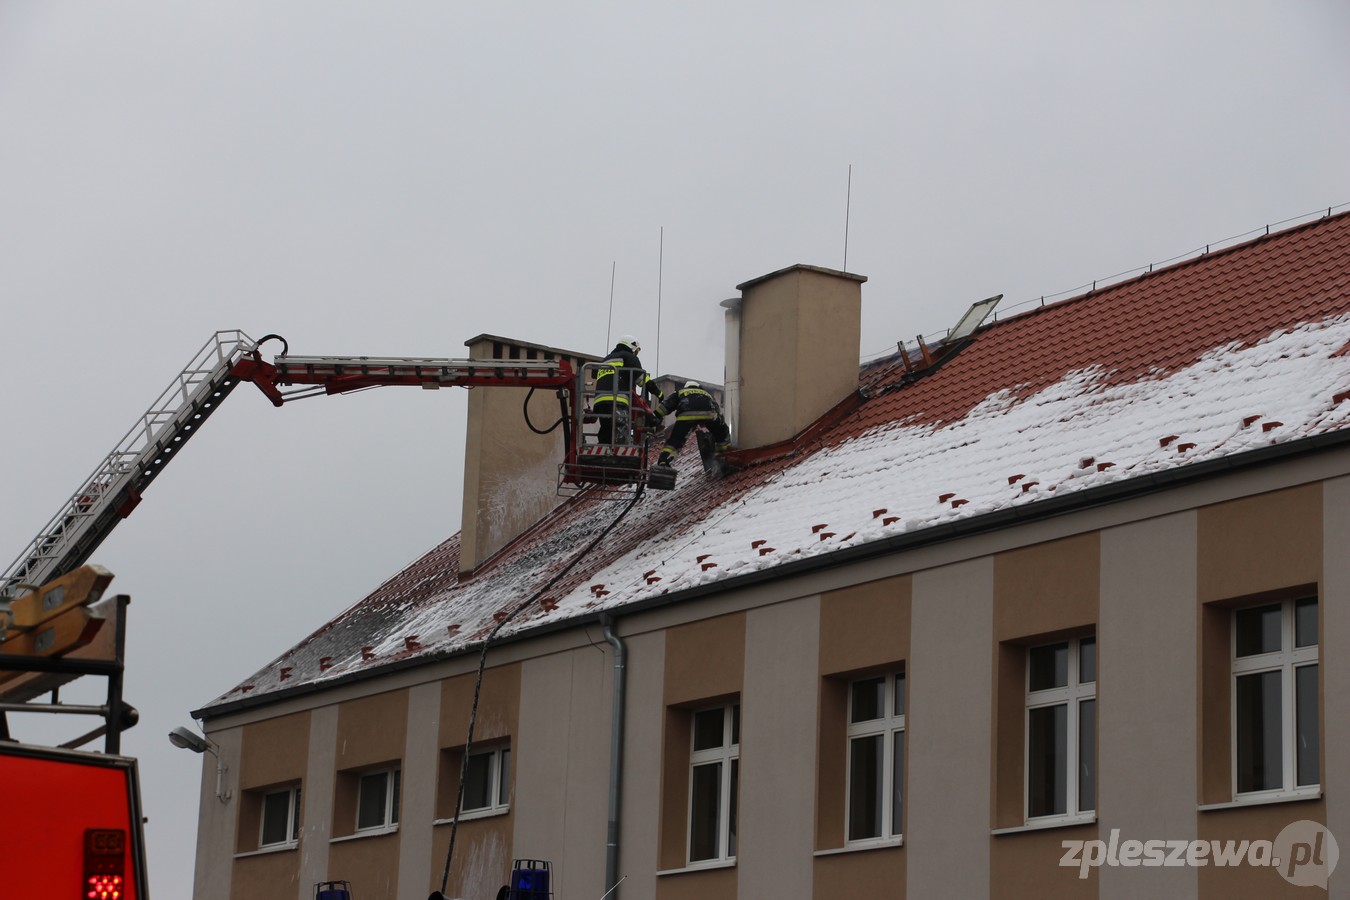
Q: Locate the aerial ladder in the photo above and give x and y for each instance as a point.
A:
(229, 358)
(50, 601)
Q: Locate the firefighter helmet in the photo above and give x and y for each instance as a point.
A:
(692, 384)
(631, 343)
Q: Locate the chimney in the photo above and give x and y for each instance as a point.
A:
(510, 473)
(792, 351)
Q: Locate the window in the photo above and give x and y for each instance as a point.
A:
(714, 776)
(487, 783)
(280, 818)
(377, 796)
(876, 757)
(1061, 728)
(1276, 727)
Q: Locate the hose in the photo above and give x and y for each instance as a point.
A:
(482, 665)
(526, 410)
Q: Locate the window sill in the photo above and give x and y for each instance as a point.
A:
(1062, 822)
(1310, 793)
(860, 846)
(475, 814)
(271, 848)
(700, 867)
(370, 832)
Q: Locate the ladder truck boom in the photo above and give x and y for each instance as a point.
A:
(343, 374)
(230, 357)
(110, 494)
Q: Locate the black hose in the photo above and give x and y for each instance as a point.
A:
(285, 345)
(482, 665)
(526, 410)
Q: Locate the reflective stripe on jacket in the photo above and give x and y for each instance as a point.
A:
(692, 405)
(619, 376)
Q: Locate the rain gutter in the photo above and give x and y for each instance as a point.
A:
(1088, 498)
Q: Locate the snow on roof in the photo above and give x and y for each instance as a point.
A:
(1230, 352)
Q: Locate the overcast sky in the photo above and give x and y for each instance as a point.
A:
(393, 178)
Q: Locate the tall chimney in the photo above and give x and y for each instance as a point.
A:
(796, 336)
(510, 473)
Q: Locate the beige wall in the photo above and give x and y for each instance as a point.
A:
(704, 664)
(1146, 782)
(274, 751)
(273, 754)
(562, 767)
(266, 876)
(947, 824)
(800, 329)
(864, 630)
(1265, 546)
(316, 814)
(483, 846)
(218, 822)
(778, 728)
(1264, 543)
(1268, 546)
(1041, 593)
(1335, 668)
(420, 770)
(371, 732)
(639, 843)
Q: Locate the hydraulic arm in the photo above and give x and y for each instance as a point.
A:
(115, 488)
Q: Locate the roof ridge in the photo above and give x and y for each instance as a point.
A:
(1172, 267)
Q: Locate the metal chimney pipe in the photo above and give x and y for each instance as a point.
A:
(731, 377)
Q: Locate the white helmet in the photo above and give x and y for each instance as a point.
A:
(692, 384)
(631, 343)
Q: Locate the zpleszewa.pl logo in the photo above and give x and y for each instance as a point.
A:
(1304, 853)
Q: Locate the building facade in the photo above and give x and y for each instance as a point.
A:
(1060, 615)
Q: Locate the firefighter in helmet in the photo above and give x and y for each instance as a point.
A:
(693, 408)
(619, 380)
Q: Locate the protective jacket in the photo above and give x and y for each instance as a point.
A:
(693, 408)
(620, 375)
(690, 405)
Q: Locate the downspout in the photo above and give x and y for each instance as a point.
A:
(616, 728)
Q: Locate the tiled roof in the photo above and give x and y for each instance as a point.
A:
(1226, 353)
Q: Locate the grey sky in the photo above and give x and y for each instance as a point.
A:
(393, 178)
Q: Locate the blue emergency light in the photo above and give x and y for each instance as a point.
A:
(333, 890)
(531, 879)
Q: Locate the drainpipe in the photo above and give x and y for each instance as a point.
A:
(616, 727)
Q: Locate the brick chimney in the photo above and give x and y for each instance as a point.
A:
(510, 473)
(792, 351)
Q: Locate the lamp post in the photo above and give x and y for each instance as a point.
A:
(187, 739)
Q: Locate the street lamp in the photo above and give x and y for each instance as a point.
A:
(187, 739)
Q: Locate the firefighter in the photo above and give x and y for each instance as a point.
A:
(618, 381)
(693, 408)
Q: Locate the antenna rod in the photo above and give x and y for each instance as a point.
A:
(660, 277)
(609, 324)
(848, 208)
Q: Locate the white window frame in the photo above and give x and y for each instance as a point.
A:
(1286, 661)
(499, 795)
(891, 728)
(392, 787)
(1072, 695)
(292, 837)
(728, 754)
